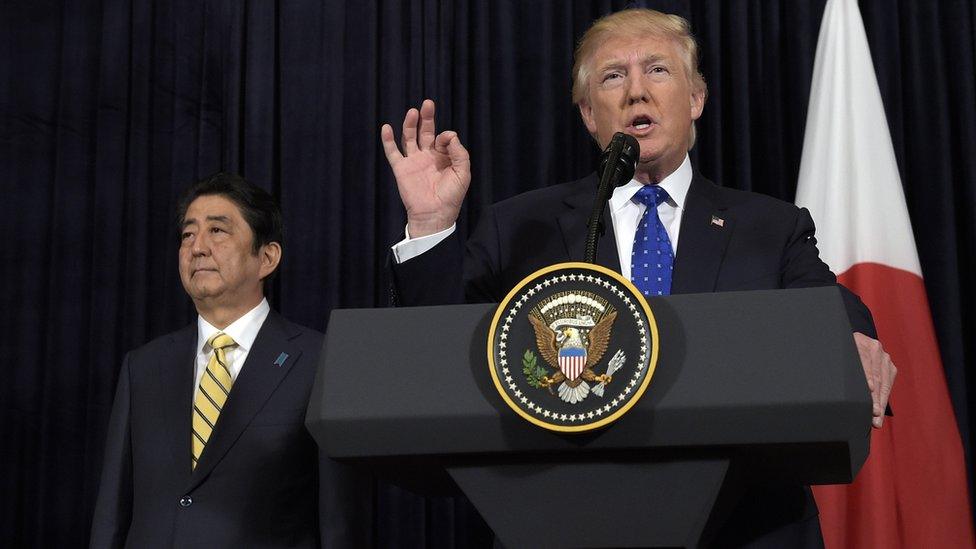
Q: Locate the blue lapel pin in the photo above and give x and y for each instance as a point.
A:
(280, 361)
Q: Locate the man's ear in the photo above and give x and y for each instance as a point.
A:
(270, 256)
(697, 103)
(586, 112)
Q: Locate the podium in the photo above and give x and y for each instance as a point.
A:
(748, 385)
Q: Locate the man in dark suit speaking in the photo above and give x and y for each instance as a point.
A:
(207, 445)
(671, 230)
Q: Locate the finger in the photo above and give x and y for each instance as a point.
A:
(869, 376)
(442, 140)
(393, 154)
(870, 362)
(427, 125)
(460, 159)
(874, 385)
(409, 136)
(877, 410)
(873, 360)
(880, 398)
(887, 381)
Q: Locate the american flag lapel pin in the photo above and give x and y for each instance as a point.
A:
(280, 361)
(718, 221)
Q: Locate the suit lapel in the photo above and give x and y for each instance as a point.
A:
(175, 376)
(572, 225)
(258, 379)
(703, 240)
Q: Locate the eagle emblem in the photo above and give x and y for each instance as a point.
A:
(572, 332)
(572, 347)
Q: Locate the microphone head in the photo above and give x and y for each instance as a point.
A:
(623, 152)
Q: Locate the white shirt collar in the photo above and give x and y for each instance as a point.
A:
(676, 184)
(244, 330)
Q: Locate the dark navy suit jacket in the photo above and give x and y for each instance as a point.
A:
(260, 482)
(761, 243)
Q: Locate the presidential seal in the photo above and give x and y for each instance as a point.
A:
(572, 347)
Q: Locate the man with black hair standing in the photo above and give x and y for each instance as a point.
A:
(207, 445)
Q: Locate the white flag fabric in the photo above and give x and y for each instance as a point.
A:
(848, 175)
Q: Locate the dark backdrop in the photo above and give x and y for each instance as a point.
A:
(110, 108)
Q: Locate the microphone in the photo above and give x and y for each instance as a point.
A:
(617, 166)
(622, 153)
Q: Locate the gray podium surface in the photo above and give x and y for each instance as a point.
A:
(767, 378)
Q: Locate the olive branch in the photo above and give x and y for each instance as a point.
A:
(532, 370)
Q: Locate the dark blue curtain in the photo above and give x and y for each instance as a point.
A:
(108, 109)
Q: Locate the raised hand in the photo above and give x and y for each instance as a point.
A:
(432, 171)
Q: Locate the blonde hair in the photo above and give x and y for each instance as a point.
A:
(637, 23)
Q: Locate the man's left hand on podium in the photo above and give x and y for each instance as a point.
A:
(880, 372)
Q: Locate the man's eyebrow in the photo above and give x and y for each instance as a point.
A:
(611, 64)
(217, 218)
(617, 62)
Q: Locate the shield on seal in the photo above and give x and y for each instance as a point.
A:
(571, 362)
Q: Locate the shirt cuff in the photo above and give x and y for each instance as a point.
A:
(409, 248)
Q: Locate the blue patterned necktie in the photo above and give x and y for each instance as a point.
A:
(652, 259)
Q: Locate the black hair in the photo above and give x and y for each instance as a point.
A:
(259, 209)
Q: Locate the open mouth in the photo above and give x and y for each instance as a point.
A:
(641, 123)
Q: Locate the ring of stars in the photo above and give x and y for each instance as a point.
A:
(604, 408)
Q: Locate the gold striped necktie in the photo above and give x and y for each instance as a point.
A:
(212, 394)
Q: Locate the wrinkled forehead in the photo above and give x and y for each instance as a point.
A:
(628, 47)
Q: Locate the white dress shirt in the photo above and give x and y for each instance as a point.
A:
(244, 331)
(625, 214)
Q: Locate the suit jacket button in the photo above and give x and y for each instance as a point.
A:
(186, 501)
